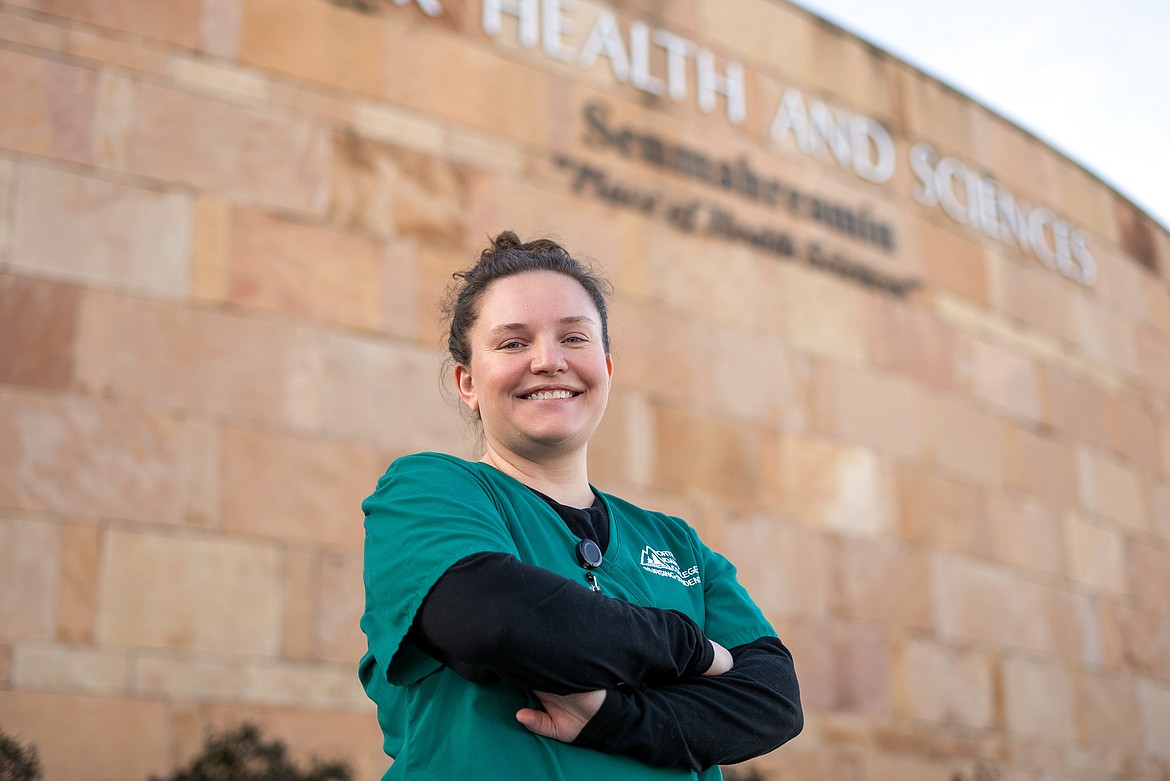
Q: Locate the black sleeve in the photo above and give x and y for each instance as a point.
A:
(698, 722)
(492, 617)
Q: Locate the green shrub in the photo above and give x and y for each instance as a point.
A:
(17, 762)
(242, 755)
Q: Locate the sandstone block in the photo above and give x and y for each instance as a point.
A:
(226, 82)
(1150, 573)
(70, 669)
(843, 668)
(306, 271)
(437, 60)
(114, 117)
(1133, 431)
(954, 262)
(881, 766)
(652, 357)
(177, 23)
(1134, 639)
(863, 75)
(1107, 710)
(175, 357)
(314, 41)
(78, 585)
(909, 341)
(823, 315)
(789, 570)
(211, 256)
(1038, 700)
(129, 53)
(289, 684)
(7, 198)
(1157, 306)
(47, 107)
(90, 747)
(219, 28)
(932, 110)
(773, 35)
(1152, 361)
(321, 505)
(836, 487)
(1103, 335)
(1095, 555)
(39, 323)
(1005, 380)
(396, 192)
(1112, 488)
(1155, 702)
(245, 154)
(981, 601)
(1037, 297)
(968, 442)
(387, 394)
(302, 583)
(887, 582)
(876, 410)
(1076, 406)
(185, 678)
(941, 512)
(698, 453)
(86, 457)
(1025, 531)
(28, 578)
(199, 473)
(87, 230)
(339, 608)
(1040, 464)
(31, 32)
(190, 593)
(945, 684)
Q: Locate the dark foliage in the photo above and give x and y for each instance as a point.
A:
(243, 755)
(17, 762)
(742, 774)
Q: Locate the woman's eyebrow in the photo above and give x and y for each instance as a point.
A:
(571, 320)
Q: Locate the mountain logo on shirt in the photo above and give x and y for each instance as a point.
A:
(663, 562)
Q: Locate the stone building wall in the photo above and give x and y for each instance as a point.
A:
(938, 452)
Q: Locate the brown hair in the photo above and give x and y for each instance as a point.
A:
(508, 256)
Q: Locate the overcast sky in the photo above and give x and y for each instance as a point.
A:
(1089, 77)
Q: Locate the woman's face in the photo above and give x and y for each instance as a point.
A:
(539, 376)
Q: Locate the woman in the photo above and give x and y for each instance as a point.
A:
(522, 624)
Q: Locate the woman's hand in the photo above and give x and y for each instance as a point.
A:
(722, 662)
(564, 715)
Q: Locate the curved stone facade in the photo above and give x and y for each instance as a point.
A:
(902, 362)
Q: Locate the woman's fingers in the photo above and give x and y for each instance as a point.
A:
(564, 715)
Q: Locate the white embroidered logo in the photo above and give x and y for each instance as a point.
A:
(662, 562)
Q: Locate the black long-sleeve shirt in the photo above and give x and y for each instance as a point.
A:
(491, 617)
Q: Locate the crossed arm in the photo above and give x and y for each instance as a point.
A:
(611, 676)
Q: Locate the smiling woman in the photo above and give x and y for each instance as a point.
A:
(522, 623)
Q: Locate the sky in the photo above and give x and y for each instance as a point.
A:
(1090, 78)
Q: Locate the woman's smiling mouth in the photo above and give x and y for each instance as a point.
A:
(545, 395)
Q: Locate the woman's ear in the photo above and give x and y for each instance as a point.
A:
(466, 387)
(609, 368)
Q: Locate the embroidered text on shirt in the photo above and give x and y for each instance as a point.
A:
(662, 562)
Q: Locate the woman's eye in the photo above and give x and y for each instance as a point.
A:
(575, 339)
(510, 345)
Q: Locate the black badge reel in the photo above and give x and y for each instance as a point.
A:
(589, 556)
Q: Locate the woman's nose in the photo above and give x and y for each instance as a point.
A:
(547, 358)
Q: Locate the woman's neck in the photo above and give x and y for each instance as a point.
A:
(565, 478)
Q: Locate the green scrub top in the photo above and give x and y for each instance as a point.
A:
(429, 511)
